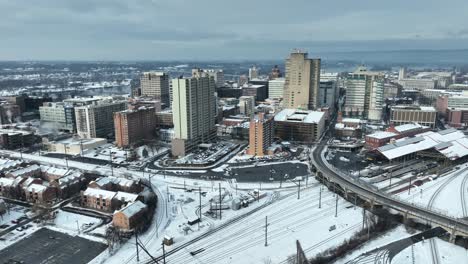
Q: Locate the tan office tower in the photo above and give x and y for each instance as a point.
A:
(260, 135)
(302, 81)
(134, 126)
(156, 85)
(194, 112)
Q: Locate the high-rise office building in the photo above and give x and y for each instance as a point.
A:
(134, 126)
(194, 111)
(302, 82)
(156, 85)
(327, 94)
(402, 73)
(96, 120)
(276, 88)
(61, 115)
(364, 94)
(247, 105)
(218, 75)
(260, 135)
(253, 73)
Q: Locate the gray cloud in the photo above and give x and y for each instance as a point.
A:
(151, 29)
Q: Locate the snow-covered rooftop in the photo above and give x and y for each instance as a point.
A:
(296, 115)
(99, 193)
(25, 170)
(451, 143)
(126, 197)
(382, 135)
(133, 208)
(6, 182)
(408, 127)
(36, 188)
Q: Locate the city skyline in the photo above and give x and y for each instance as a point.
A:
(162, 30)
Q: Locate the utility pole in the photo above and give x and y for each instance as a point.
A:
(236, 188)
(363, 217)
(167, 193)
(320, 197)
(220, 212)
(409, 186)
(136, 244)
(299, 190)
(77, 226)
(185, 188)
(21, 149)
(81, 147)
(336, 206)
(266, 231)
(164, 253)
(110, 162)
(199, 198)
(355, 201)
(66, 157)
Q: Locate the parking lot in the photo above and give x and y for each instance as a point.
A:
(48, 246)
(269, 172)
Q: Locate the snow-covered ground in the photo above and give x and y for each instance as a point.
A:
(448, 200)
(390, 236)
(420, 253)
(448, 253)
(289, 219)
(74, 222)
(14, 213)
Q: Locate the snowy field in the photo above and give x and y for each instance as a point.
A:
(444, 193)
(71, 221)
(420, 253)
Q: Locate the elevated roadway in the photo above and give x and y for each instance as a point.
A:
(370, 193)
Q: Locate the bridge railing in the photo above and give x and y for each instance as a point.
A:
(442, 214)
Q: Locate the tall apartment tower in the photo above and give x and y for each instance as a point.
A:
(96, 120)
(260, 135)
(156, 85)
(134, 126)
(194, 111)
(364, 94)
(302, 81)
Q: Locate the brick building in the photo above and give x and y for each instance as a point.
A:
(260, 135)
(134, 126)
(131, 216)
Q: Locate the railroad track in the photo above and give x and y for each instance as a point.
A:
(463, 191)
(432, 242)
(155, 229)
(217, 229)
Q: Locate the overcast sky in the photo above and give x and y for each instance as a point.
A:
(223, 29)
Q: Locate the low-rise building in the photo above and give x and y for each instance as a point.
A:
(38, 193)
(98, 199)
(299, 125)
(73, 146)
(378, 139)
(131, 216)
(15, 138)
(407, 114)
